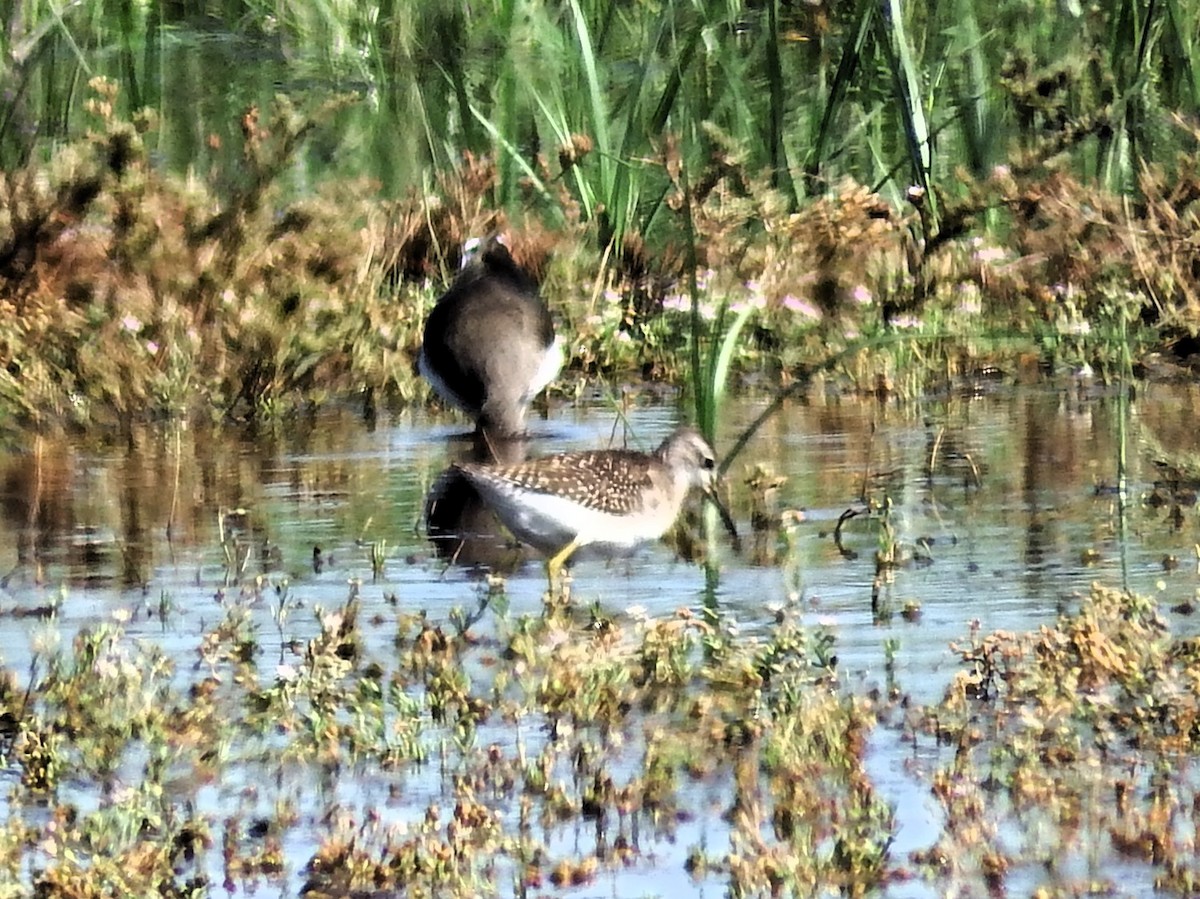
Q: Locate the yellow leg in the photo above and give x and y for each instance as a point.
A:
(555, 563)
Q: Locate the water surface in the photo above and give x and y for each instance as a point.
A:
(1002, 504)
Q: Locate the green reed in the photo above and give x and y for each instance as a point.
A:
(513, 79)
(711, 136)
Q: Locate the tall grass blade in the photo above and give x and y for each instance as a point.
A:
(20, 48)
(451, 40)
(614, 189)
(974, 95)
(906, 79)
(691, 260)
(724, 344)
(776, 108)
(584, 191)
(597, 106)
(683, 60)
(842, 79)
(1144, 38)
(503, 129)
(514, 158)
(1116, 156)
(1184, 41)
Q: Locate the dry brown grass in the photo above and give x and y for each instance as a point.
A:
(127, 293)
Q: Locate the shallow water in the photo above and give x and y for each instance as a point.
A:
(999, 499)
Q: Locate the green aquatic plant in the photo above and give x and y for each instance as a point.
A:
(887, 559)
(712, 367)
(376, 552)
(614, 728)
(1057, 702)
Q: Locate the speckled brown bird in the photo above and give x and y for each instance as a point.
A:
(489, 345)
(616, 498)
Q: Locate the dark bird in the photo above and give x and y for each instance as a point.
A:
(489, 345)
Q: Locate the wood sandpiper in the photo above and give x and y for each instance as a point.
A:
(615, 498)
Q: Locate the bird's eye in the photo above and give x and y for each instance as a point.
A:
(709, 463)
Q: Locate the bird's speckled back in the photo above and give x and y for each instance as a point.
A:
(615, 482)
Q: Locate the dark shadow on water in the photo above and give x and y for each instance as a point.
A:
(461, 527)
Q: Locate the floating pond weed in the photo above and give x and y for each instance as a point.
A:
(1041, 718)
(408, 747)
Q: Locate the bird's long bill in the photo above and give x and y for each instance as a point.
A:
(726, 518)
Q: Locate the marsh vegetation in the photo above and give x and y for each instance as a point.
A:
(1013, 182)
(220, 222)
(211, 703)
